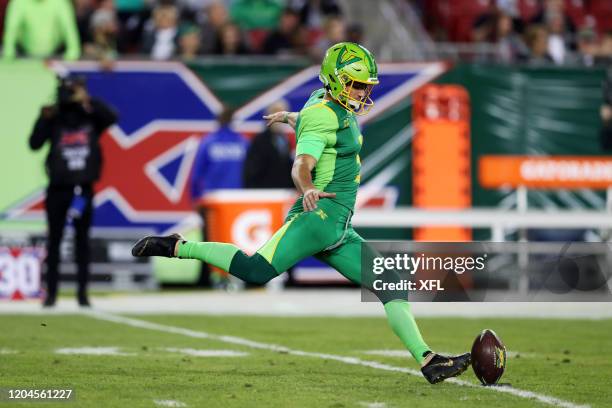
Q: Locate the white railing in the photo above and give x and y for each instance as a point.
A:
(498, 221)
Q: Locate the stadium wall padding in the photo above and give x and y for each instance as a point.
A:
(532, 110)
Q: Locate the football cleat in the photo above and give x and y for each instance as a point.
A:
(156, 246)
(440, 367)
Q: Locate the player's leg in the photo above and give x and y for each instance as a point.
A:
(347, 260)
(303, 235)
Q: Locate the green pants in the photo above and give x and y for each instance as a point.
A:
(325, 233)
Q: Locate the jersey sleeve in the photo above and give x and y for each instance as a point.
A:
(316, 130)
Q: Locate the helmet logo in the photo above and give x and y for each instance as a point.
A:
(345, 58)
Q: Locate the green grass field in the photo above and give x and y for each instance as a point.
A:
(566, 360)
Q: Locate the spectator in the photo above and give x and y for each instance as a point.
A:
(189, 41)
(269, 159)
(355, 33)
(104, 30)
(335, 32)
(285, 39)
(216, 18)
(83, 10)
(219, 161)
(604, 55)
(314, 13)
(132, 15)
(559, 39)
(510, 46)
(230, 41)
(256, 14)
(191, 9)
(587, 47)
(537, 41)
(494, 22)
(39, 28)
(160, 36)
(72, 127)
(218, 165)
(551, 10)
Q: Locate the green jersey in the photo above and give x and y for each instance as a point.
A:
(40, 27)
(330, 134)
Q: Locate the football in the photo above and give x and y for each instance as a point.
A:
(488, 357)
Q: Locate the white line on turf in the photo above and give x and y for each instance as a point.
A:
(545, 399)
(97, 351)
(7, 351)
(373, 404)
(406, 353)
(169, 403)
(206, 353)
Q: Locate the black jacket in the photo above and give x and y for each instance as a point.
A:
(74, 156)
(268, 162)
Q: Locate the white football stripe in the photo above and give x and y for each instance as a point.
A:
(207, 353)
(94, 351)
(406, 353)
(373, 404)
(545, 399)
(169, 403)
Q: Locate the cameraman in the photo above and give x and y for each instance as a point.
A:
(73, 127)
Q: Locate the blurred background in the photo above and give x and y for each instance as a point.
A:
(493, 122)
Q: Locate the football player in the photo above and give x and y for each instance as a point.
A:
(326, 174)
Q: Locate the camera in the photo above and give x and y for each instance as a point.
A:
(67, 88)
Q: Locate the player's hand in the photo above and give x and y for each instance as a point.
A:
(309, 201)
(281, 117)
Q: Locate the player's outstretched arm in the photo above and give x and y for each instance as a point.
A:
(302, 178)
(289, 118)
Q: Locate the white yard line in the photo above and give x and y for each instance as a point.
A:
(406, 353)
(545, 399)
(93, 351)
(169, 403)
(373, 404)
(206, 353)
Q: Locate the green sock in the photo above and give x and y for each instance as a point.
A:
(218, 254)
(403, 325)
(251, 269)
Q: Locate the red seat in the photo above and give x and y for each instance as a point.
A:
(463, 14)
(576, 10)
(314, 35)
(256, 38)
(602, 10)
(528, 9)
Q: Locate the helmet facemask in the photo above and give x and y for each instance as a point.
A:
(359, 106)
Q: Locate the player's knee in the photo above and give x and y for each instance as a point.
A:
(259, 277)
(256, 269)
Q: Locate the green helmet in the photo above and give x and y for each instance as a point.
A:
(348, 65)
